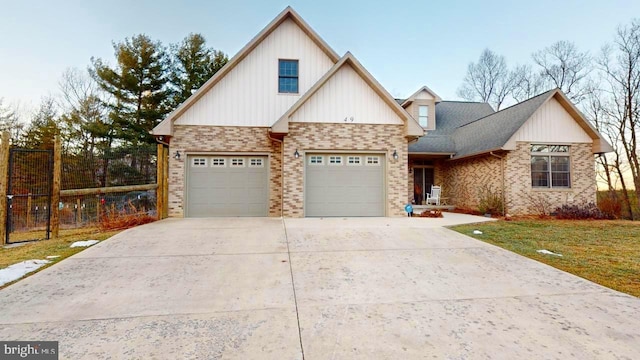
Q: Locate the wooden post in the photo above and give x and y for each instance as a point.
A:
(29, 200)
(78, 212)
(165, 192)
(98, 208)
(4, 186)
(160, 182)
(55, 193)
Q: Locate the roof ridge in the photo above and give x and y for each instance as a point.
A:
(465, 102)
(509, 107)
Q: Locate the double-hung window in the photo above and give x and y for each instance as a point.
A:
(288, 76)
(423, 115)
(550, 166)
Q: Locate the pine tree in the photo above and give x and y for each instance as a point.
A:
(193, 64)
(138, 88)
(43, 128)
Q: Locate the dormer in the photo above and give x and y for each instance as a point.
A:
(422, 106)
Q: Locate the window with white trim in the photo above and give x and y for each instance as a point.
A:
(288, 76)
(354, 160)
(550, 166)
(218, 162)
(423, 115)
(237, 162)
(199, 162)
(315, 160)
(373, 160)
(335, 160)
(256, 162)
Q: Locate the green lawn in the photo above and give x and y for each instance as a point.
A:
(39, 250)
(605, 252)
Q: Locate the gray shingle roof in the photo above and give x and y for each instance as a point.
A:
(493, 131)
(450, 115)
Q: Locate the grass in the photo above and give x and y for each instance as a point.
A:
(42, 249)
(605, 252)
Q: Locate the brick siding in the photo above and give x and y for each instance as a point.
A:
(307, 137)
(463, 179)
(190, 138)
(523, 199)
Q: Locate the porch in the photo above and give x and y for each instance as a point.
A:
(419, 209)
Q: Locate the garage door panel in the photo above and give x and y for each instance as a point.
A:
(225, 190)
(343, 190)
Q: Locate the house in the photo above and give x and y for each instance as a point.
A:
(536, 155)
(290, 128)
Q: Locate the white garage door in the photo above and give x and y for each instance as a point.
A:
(227, 186)
(344, 185)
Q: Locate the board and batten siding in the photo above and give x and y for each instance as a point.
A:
(248, 94)
(346, 96)
(551, 123)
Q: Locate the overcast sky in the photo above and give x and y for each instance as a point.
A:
(404, 44)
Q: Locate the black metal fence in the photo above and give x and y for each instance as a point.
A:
(29, 194)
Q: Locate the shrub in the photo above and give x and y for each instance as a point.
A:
(539, 204)
(431, 214)
(577, 212)
(489, 201)
(611, 205)
(119, 220)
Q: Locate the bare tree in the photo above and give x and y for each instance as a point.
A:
(563, 66)
(620, 65)
(611, 167)
(527, 83)
(10, 121)
(86, 121)
(489, 80)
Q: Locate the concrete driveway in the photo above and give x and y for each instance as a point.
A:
(315, 289)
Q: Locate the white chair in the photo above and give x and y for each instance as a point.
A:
(434, 195)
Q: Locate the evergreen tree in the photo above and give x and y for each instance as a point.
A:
(43, 127)
(193, 64)
(137, 87)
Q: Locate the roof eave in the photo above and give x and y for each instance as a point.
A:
(478, 153)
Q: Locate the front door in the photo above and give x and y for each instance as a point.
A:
(422, 181)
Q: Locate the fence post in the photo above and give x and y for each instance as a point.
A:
(78, 211)
(160, 182)
(98, 208)
(29, 204)
(55, 193)
(165, 191)
(4, 186)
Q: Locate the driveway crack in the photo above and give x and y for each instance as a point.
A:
(293, 285)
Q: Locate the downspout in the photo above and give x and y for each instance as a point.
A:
(281, 172)
(504, 205)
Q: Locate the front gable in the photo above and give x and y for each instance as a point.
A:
(550, 124)
(346, 98)
(557, 121)
(245, 91)
(348, 94)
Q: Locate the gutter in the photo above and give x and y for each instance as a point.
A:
(281, 172)
(479, 153)
(160, 139)
(504, 205)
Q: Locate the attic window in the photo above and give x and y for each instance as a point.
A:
(423, 115)
(288, 76)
